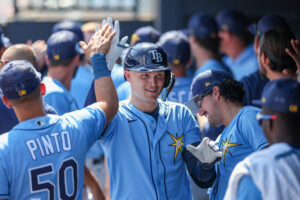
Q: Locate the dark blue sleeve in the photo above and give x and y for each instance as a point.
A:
(253, 86)
(49, 109)
(247, 189)
(203, 174)
(91, 96)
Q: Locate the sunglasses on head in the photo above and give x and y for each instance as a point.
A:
(260, 117)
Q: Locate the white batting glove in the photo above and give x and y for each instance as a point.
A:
(115, 50)
(207, 151)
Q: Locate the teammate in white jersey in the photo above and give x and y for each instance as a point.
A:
(43, 156)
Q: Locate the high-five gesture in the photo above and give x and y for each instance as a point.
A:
(116, 46)
(100, 41)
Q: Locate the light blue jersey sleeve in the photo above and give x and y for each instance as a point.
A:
(59, 102)
(247, 190)
(83, 119)
(4, 190)
(252, 131)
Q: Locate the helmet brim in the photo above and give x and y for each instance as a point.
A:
(150, 68)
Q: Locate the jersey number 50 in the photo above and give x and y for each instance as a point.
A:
(38, 186)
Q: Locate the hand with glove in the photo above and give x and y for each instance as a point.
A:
(116, 46)
(207, 151)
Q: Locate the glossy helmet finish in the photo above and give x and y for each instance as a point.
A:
(147, 57)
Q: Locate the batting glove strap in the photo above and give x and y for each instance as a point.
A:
(206, 152)
(99, 64)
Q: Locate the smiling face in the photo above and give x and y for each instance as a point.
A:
(208, 107)
(145, 86)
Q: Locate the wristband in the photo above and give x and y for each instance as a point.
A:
(99, 64)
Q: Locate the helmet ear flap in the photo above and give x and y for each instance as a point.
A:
(167, 78)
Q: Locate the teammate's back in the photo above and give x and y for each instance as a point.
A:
(53, 154)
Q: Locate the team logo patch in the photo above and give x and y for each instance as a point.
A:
(134, 38)
(293, 108)
(207, 84)
(178, 144)
(156, 56)
(56, 57)
(22, 92)
(225, 148)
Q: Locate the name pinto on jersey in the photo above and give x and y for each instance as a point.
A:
(49, 144)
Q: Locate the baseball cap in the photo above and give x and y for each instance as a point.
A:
(203, 84)
(145, 34)
(69, 25)
(281, 95)
(18, 78)
(232, 21)
(202, 26)
(62, 45)
(266, 23)
(176, 46)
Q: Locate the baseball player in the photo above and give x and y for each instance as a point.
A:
(273, 173)
(177, 48)
(144, 143)
(62, 59)
(274, 61)
(218, 97)
(203, 37)
(236, 43)
(254, 83)
(8, 118)
(83, 77)
(51, 166)
(142, 34)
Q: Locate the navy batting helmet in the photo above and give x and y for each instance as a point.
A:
(147, 57)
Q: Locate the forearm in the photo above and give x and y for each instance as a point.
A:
(91, 181)
(202, 174)
(104, 88)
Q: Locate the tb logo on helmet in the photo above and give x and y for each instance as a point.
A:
(155, 55)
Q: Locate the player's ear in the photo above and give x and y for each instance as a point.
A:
(43, 88)
(264, 59)
(127, 75)
(6, 102)
(216, 92)
(47, 60)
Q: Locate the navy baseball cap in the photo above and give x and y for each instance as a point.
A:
(203, 84)
(232, 21)
(18, 78)
(145, 34)
(282, 95)
(267, 23)
(177, 47)
(69, 25)
(202, 26)
(62, 45)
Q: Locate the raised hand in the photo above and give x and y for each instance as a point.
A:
(100, 41)
(296, 54)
